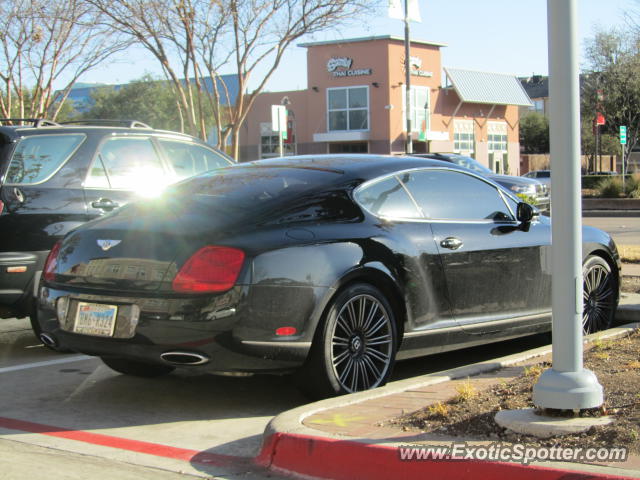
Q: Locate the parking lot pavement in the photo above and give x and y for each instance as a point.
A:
(75, 403)
(22, 460)
(186, 422)
(624, 230)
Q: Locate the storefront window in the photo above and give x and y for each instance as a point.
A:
(463, 137)
(348, 108)
(420, 110)
(497, 137)
(269, 145)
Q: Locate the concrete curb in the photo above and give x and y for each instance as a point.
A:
(611, 213)
(291, 447)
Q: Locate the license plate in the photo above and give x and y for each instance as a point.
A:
(95, 319)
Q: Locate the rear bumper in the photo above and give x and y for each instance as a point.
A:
(234, 331)
(19, 273)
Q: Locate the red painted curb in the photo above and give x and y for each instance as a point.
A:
(157, 449)
(349, 460)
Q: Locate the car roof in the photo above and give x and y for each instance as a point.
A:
(12, 132)
(353, 166)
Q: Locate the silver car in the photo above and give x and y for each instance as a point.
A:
(527, 187)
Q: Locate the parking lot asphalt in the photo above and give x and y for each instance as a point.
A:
(625, 231)
(186, 422)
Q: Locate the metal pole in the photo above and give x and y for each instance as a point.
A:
(624, 148)
(595, 156)
(567, 385)
(407, 68)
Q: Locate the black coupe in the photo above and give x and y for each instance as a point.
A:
(329, 266)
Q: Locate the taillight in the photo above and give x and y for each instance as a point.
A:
(210, 269)
(1, 206)
(49, 271)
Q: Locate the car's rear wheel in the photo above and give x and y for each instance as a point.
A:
(355, 345)
(135, 368)
(599, 295)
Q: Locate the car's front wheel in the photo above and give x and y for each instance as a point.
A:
(135, 368)
(355, 345)
(599, 295)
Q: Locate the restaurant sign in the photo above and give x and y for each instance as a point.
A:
(341, 67)
(416, 68)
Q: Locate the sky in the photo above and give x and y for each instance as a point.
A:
(502, 36)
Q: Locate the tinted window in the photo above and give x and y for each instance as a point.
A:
(38, 157)
(387, 198)
(125, 163)
(188, 159)
(252, 188)
(452, 195)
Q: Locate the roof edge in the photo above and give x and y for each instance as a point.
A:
(367, 39)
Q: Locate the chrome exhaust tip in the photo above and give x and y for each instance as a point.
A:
(48, 340)
(184, 358)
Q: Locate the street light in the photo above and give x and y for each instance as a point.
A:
(567, 385)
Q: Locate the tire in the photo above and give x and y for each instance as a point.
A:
(354, 347)
(135, 368)
(599, 298)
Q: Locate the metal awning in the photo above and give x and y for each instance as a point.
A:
(488, 88)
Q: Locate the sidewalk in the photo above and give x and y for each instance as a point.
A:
(349, 438)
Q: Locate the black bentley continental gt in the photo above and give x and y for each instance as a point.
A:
(332, 267)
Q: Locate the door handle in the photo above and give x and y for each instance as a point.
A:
(452, 243)
(105, 204)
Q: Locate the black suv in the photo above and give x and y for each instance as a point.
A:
(54, 177)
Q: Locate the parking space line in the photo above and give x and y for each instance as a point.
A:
(25, 366)
(156, 449)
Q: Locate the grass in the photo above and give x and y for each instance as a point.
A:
(599, 344)
(635, 364)
(629, 253)
(438, 409)
(533, 371)
(466, 391)
(602, 355)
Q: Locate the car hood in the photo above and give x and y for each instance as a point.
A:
(511, 180)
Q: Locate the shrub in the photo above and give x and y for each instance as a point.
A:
(610, 187)
(632, 183)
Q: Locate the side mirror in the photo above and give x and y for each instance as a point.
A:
(525, 213)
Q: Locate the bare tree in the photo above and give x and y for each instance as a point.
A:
(612, 86)
(174, 32)
(194, 39)
(43, 42)
(263, 30)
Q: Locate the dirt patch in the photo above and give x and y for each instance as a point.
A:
(617, 366)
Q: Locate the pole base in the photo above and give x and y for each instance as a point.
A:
(567, 390)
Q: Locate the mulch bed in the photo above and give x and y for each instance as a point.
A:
(617, 366)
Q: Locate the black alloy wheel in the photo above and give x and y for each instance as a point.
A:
(136, 368)
(598, 295)
(355, 346)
